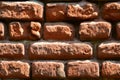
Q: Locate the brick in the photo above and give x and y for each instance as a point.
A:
(1, 30)
(118, 30)
(60, 50)
(56, 12)
(110, 50)
(21, 11)
(111, 11)
(82, 69)
(25, 30)
(94, 30)
(58, 31)
(48, 70)
(12, 50)
(111, 69)
(82, 11)
(14, 69)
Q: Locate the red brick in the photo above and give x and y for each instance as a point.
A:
(25, 30)
(82, 11)
(83, 69)
(60, 50)
(56, 12)
(21, 10)
(1, 30)
(48, 70)
(95, 30)
(12, 50)
(58, 31)
(111, 11)
(111, 69)
(14, 69)
(118, 30)
(109, 50)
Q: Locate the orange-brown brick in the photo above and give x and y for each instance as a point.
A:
(12, 50)
(25, 30)
(95, 30)
(58, 31)
(111, 69)
(14, 69)
(60, 50)
(111, 11)
(48, 70)
(110, 50)
(1, 30)
(82, 69)
(118, 30)
(82, 11)
(21, 11)
(56, 12)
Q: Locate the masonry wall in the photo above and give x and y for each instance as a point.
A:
(60, 39)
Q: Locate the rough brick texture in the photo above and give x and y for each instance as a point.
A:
(12, 50)
(48, 70)
(51, 39)
(58, 50)
(82, 11)
(14, 69)
(25, 30)
(21, 10)
(94, 30)
(111, 69)
(2, 30)
(110, 50)
(58, 31)
(56, 12)
(81, 69)
(118, 30)
(111, 11)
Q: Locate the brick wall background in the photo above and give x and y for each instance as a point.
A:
(60, 39)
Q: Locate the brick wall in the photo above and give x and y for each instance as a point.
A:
(60, 39)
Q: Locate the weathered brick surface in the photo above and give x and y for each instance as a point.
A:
(21, 10)
(2, 34)
(111, 11)
(58, 31)
(25, 30)
(95, 30)
(82, 11)
(110, 50)
(48, 70)
(60, 50)
(12, 50)
(86, 69)
(111, 69)
(118, 30)
(14, 69)
(56, 12)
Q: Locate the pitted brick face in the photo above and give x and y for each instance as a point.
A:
(111, 69)
(56, 12)
(111, 11)
(25, 30)
(21, 11)
(95, 30)
(2, 33)
(82, 69)
(48, 70)
(58, 31)
(14, 69)
(57, 50)
(82, 11)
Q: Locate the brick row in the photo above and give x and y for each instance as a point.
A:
(60, 31)
(58, 11)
